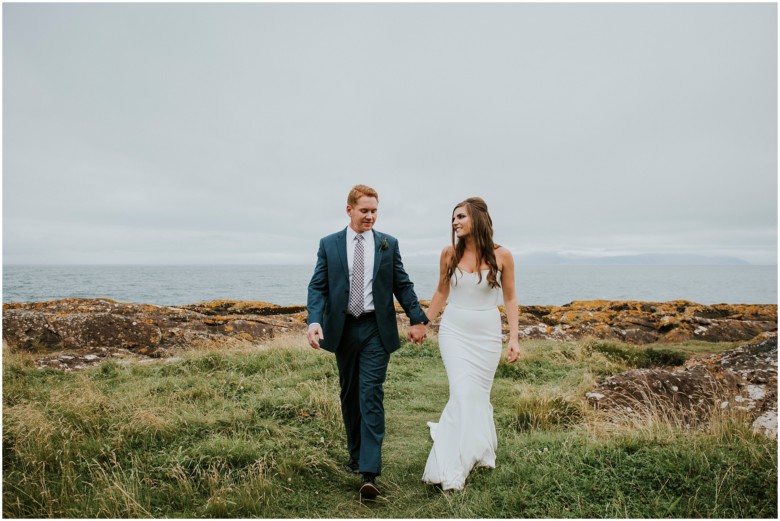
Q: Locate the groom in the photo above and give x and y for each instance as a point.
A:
(351, 313)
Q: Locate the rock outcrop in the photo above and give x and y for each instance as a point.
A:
(647, 322)
(94, 324)
(744, 379)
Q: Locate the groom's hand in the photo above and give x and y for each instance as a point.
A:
(314, 335)
(417, 333)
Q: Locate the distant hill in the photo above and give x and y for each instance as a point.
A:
(643, 259)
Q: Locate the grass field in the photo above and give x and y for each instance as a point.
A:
(258, 433)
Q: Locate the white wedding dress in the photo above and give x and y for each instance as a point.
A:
(470, 344)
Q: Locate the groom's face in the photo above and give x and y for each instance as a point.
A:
(362, 215)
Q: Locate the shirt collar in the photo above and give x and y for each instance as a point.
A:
(351, 234)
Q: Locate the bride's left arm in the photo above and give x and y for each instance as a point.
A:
(507, 267)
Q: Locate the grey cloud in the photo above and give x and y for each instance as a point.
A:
(606, 128)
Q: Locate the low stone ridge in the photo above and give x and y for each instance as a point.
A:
(647, 322)
(744, 379)
(86, 325)
(242, 307)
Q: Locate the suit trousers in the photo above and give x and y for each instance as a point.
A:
(362, 363)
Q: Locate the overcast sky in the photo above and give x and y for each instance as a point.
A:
(231, 134)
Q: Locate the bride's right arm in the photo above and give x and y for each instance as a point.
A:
(439, 297)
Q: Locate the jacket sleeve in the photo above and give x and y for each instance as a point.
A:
(318, 288)
(403, 289)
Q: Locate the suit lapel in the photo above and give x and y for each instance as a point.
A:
(341, 246)
(377, 251)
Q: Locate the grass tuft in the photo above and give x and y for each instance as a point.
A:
(637, 356)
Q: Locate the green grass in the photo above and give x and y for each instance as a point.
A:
(259, 434)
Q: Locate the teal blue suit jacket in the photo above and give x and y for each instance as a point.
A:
(329, 290)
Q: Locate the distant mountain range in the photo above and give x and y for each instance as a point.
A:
(643, 259)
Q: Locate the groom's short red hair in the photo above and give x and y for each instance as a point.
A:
(359, 191)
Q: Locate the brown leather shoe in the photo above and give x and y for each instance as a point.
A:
(368, 489)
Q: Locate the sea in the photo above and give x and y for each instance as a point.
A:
(286, 285)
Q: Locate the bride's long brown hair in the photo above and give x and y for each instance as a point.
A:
(482, 235)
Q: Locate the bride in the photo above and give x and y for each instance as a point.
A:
(472, 270)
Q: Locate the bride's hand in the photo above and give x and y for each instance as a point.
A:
(513, 351)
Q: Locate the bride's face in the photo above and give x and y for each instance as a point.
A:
(461, 222)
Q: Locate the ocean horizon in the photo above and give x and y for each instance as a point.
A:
(287, 285)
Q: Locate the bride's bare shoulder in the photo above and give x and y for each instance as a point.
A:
(448, 252)
(503, 255)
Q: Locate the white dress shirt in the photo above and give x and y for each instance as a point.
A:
(368, 265)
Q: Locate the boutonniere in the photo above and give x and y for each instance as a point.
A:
(383, 244)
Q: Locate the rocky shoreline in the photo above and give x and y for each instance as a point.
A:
(151, 330)
(648, 322)
(144, 329)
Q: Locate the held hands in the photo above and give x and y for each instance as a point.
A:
(513, 351)
(417, 333)
(314, 335)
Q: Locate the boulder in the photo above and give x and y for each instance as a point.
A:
(744, 379)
